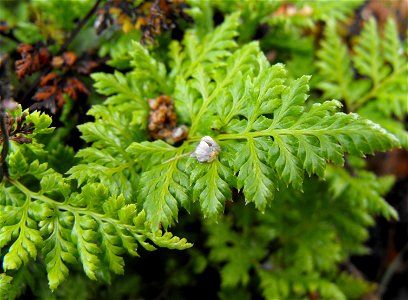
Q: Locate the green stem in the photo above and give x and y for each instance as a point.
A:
(75, 210)
(121, 167)
(268, 132)
(278, 132)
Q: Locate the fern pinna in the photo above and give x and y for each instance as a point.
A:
(128, 187)
(378, 62)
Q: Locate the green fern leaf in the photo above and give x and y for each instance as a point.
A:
(212, 186)
(58, 249)
(266, 130)
(334, 65)
(211, 49)
(53, 182)
(18, 164)
(366, 187)
(328, 10)
(381, 62)
(83, 235)
(391, 45)
(111, 246)
(240, 62)
(372, 112)
(255, 175)
(354, 287)
(282, 285)
(392, 93)
(123, 93)
(162, 186)
(17, 223)
(144, 64)
(307, 14)
(298, 140)
(169, 241)
(162, 189)
(41, 123)
(93, 226)
(74, 230)
(255, 113)
(5, 285)
(110, 166)
(368, 59)
(234, 249)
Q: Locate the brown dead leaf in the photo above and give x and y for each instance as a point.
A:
(32, 60)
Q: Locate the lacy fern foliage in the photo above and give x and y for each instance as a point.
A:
(64, 226)
(301, 238)
(261, 121)
(373, 82)
(126, 187)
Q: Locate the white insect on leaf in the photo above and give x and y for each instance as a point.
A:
(207, 150)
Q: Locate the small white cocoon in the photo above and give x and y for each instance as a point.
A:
(207, 150)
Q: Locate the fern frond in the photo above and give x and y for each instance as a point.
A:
(354, 287)
(212, 187)
(84, 235)
(382, 62)
(16, 222)
(368, 60)
(365, 187)
(294, 139)
(392, 93)
(5, 285)
(391, 45)
(334, 65)
(306, 238)
(208, 52)
(117, 126)
(119, 47)
(94, 226)
(123, 93)
(168, 240)
(160, 197)
(255, 174)
(372, 112)
(107, 161)
(281, 285)
(233, 249)
(72, 231)
(381, 93)
(328, 10)
(263, 126)
(58, 249)
(240, 62)
(144, 64)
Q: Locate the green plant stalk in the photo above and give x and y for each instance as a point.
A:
(84, 211)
